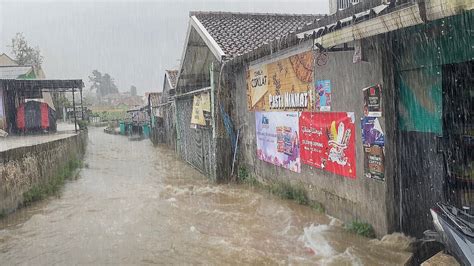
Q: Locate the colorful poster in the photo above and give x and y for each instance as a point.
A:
(373, 101)
(372, 133)
(283, 85)
(322, 96)
(327, 141)
(374, 161)
(201, 110)
(277, 139)
(373, 141)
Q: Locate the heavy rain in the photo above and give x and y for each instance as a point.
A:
(326, 132)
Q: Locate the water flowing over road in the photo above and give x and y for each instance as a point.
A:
(136, 204)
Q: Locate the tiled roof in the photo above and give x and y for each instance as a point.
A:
(14, 72)
(173, 77)
(240, 33)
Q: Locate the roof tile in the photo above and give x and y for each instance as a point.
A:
(239, 33)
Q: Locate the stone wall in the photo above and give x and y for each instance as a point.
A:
(24, 167)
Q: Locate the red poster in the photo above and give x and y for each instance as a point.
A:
(327, 141)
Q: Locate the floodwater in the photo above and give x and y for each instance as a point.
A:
(136, 204)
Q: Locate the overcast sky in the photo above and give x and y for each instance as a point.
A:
(133, 41)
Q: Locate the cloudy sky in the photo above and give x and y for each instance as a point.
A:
(133, 41)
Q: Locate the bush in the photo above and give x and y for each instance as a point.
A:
(53, 186)
(287, 191)
(244, 177)
(361, 228)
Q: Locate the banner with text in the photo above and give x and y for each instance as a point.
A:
(285, 84)
(201, 115)
(327, 141)
(277, 139)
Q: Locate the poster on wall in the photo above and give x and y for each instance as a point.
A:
(277, 139)
(282, 85)
(201, 113)
(327, 141)
(374, 162)
(373, 141)
(372, 133)
(373, 101)
(322, 96)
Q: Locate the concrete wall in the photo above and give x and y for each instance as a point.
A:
(24, 167)
(360, 199)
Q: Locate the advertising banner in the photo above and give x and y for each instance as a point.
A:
(322, 96)
(327, 141)
(201, 115)
(373, 141)
(277, 139)
(283, 85)
(373, 101)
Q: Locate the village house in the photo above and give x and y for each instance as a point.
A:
(162, 107)
(336, 103)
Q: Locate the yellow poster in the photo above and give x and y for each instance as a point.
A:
(201, 110)
(283, 85)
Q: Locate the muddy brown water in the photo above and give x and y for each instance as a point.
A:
(136, 204)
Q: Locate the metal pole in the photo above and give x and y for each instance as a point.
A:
(74, 110)
(82, 107)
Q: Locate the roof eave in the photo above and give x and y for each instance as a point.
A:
(210, 42)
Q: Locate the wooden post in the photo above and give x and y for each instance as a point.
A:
(74, 110)
(82, 107)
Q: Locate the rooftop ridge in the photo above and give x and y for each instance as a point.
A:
(232, 13)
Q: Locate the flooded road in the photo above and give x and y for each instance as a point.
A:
(136, 204)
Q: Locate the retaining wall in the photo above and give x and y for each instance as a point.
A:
(24, 167)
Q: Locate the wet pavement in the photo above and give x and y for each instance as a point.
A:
(12, 142)
(136, 204)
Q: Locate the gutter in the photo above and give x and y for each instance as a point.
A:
(406, 16)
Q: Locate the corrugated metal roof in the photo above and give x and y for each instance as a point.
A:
(14, 72)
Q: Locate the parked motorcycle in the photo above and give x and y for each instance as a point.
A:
(455, 229)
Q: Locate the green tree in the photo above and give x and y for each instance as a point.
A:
(25, 54)
(133, 90)
(102, 84)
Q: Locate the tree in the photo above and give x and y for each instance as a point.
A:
(25, 54)
(133, 90)
(102, 84)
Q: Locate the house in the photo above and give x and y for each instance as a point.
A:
(367, 108)
(163, 107)
(377, 96)
(206, 133)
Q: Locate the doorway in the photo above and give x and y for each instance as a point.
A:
(458, 133)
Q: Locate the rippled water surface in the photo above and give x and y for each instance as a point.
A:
(136, 204)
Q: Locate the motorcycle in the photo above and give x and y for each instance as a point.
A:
(455, 229)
